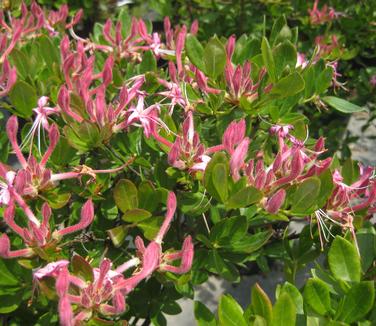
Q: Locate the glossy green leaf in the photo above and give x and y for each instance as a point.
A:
(344, 261)
(219, 177)
(342, 105)
(23, 98)
(203, 315)
(117, 235)
(288, 86)
(82, 268)
(295, 296)
(317, 296)
(229, 230)
(148, 63)
(151, 226)
(195, 52)
(9, 303)
(251, 243)
(7, 278)
(261, 304)
(244, 198)
(284, 311)
(357, 302)
(126, 195)
(305, 196)
(136, 215)
(230, 313)
(268, 59)
(214, 57)
(208, 177)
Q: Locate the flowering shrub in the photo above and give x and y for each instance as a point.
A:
(107, 130)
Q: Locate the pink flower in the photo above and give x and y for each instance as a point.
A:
(8, 78)
(326, 14)
(106, 292)
(187, 152)
(38, 235)
(275, 202)
(238, 157)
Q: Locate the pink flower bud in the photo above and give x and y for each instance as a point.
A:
(12, 129)
(179, 49)
(65, 312)
(171, 207)
(54, 137)
(62, 281)
(4, 246)
(234, 134)
(119, 302)
(87, 217)
(230, 47)
(107, 70)
(275, 202)
(187, 255)
(238, 157)
(194, 27)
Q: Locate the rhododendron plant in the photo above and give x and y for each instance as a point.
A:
(137, 162)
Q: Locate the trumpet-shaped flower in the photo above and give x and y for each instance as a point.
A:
(38, 236)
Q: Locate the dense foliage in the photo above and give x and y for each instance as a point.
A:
(201, 148)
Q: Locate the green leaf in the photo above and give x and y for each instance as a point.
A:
(195, 52)
(82, 268)
(214, 57)
(295, 296)
(342, 105)
(244, 198)
(284, 311)
(21, 61)
(9, 303)
(317, 296)
(7, 278)
(267, 57)
(324, 80)
(285, 55)
(151, 226)
(344, 261)
(278, 25)
(251, 243)
(117, 235)
(126, 195)
(23, 98)
(261, 304)
(229, 230)
(148, 63)
(219, 177)
(63, 152)
(193, 203)
(48, 51)
(208, 177)
(287, 86)
(203, 315)
(357, 302)
(216, 264)
(230, 313)
(136, 215)
(55, 199)
(305, 196)
(148, 198)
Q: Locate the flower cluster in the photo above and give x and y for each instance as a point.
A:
(105, 289)
(326, 14)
